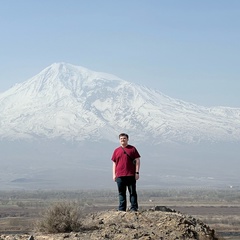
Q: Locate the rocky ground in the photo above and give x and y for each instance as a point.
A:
(158, 223)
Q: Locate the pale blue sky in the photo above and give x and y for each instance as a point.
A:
(186, 49)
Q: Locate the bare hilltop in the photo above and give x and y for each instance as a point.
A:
(154, 223)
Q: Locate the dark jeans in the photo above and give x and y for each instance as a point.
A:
(123, 183)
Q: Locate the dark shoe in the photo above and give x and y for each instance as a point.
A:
(133, 210)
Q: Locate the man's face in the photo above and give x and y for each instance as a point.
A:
(123, 141)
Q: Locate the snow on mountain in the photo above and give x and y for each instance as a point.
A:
(75, 103)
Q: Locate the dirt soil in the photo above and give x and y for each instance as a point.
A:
(157, 223)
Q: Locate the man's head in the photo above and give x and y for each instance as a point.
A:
(123, 138)
(123, 135)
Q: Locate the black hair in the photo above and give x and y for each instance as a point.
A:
(123, 135)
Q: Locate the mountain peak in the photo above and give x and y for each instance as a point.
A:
(59, 78)
(66, 68)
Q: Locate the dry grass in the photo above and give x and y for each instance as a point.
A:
(61, 217)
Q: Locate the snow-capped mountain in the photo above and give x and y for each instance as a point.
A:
(71, 111)
(75, 103)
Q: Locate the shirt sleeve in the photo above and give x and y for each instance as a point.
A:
(114, 156)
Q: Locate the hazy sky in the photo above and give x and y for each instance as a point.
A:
(186, 49)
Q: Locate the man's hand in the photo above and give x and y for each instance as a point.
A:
(136, 176)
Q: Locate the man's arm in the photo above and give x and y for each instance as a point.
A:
(137, 168)
(114, 171)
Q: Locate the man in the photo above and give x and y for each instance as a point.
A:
(126, 166)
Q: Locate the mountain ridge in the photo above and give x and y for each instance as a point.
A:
(75, 103)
